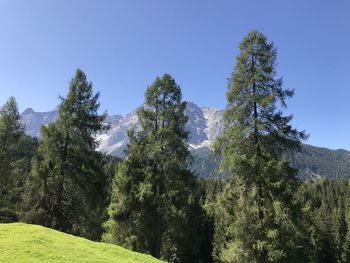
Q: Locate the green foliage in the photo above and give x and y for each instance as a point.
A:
(10, 132)
(315, 162)
(16, 150)
(153, 197)
(206, 163)
(327, 202)
(32, 243)
(110, 164)
(255, 214)
(67, 187)
(312, 163)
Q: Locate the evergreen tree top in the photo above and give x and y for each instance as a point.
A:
(80, 107)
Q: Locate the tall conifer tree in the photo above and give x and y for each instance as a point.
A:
(256, 220)
(152, 198)
(65, 190)
(11, 134)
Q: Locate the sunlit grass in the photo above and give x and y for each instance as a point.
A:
(32, 243)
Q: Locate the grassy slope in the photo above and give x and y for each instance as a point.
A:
(32, 243)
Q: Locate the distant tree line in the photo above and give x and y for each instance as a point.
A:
(312, 163)
(152, 202)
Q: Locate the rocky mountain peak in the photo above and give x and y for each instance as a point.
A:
(204, 125)
(28, 111)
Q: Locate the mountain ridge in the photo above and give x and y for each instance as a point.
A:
(204, 126)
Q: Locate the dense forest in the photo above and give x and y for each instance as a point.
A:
(312, 163)
(258, 203)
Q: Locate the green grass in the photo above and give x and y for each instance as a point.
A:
(32, 243)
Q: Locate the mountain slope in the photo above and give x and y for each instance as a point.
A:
(312, 162)
(204, 125)
(33, 243)
(32, 120)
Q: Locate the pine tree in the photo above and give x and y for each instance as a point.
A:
(346, 247)
(66, 187)
(257, 222)
(11, 135)
(10, 132)
(342, 229)
(152, 197)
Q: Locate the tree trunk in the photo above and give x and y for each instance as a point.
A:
(157, 235)
(261, 257)
(58, 211)
(157, 218)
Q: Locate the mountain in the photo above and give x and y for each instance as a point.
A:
(32, 120)
(204, 125)
(312, 162)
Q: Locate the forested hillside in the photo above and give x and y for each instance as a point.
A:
(312, 162)
(315, 162)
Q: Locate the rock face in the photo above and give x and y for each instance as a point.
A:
(204, 125)
(32, 120)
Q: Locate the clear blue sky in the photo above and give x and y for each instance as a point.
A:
(123, 45)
